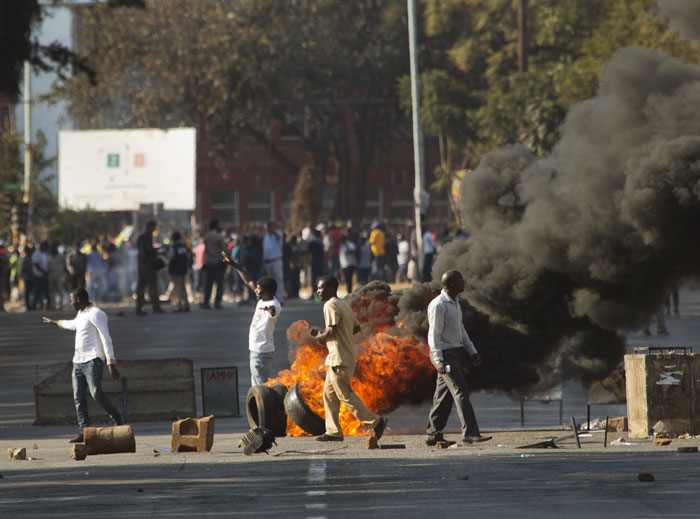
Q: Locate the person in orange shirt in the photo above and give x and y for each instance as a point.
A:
(377, 241)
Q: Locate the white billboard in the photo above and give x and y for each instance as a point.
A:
(117, 170)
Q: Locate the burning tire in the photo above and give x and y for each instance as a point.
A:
(265, 409)
(301, 414)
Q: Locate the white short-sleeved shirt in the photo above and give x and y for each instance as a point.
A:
(262, 328)
(92, 339)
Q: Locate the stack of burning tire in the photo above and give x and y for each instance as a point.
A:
(269, 406)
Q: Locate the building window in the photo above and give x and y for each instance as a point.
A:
(224, 206)
(259, 205)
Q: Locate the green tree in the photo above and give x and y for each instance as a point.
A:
(233, 68)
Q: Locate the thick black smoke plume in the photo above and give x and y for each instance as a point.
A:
(575, 249)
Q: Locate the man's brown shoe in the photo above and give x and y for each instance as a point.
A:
(77, 439)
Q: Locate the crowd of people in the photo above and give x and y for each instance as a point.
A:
(189, 269)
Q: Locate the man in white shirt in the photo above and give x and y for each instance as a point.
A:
(261, 341)
(93, 346)
(449, 347)
(429, 248)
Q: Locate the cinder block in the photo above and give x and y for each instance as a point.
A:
(79, 452)
(193, 434)
(17, 454)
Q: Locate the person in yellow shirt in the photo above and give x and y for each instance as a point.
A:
(377, 242)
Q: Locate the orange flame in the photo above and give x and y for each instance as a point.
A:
(391, 364)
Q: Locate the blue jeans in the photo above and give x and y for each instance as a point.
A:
(260, 367)
(88, 375)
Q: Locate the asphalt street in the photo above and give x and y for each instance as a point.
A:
(303, 478)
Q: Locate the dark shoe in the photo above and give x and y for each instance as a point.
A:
(663, 332)
(117, 421)
(77, 439)
(219, 307)
(476, 439)
(204, 306)
(187, 309)
(158, 311)
(379, 429)
(431, 441)
(141, 313)
(329, 438)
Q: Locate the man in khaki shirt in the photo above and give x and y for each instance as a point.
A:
(341, 325)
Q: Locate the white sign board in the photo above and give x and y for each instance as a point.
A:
(117, 170)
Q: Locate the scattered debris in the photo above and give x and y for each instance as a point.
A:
(646, 477)
(121, 314)
(527, 455)
(108, 440)
(687, 449)
(257, 440)
(158, 449)
(193, 434)
(139, 490)
(444, 444)
(17, 454)
(372, 443)
(670, 428)
(622, 441)
(661, 441)
(502, 446)
(392, 446)
(686, 436)
(463, 477)
(79, 452)
(35, 446)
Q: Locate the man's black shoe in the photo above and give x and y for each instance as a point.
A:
(379, 429)
(329, 438)
(141, 313)
(431, 441)
(77, 439)
(117, 421)
(158, 311)
(219, 307)
(476, 439)
(205, 306)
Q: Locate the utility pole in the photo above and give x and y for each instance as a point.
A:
(522, 36)
(28, 144)
(419, 166)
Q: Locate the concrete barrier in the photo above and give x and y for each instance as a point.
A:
(157, 390)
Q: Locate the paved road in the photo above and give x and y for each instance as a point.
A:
(411, 482)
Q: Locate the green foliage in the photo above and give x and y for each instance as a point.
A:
(70, 226)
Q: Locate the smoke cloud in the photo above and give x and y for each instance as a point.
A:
(568, 252)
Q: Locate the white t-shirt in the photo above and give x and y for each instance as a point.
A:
(92, 337)
(262, 328)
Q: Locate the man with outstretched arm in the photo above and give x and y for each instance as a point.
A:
(341, 325)
(450, 347)
(93, 346)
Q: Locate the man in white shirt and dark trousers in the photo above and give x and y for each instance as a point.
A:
(93, 346)
(261, 342)
(449, 347)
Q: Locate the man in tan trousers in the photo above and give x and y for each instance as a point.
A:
(341, 325)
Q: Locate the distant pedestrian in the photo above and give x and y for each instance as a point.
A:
(450, 346)
(377, 242)
(214, 270)
(149, 264)
(97, 269)
(348, 260)
(316, 251)
(40, 272)
(93, 346)
(341, 325)
(56, 278)
(429, 248)
(273, 241)
(76, 263)
(178, 267)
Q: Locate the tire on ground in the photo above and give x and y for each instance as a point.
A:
(301, 414)
(265, 408)
(280, 389)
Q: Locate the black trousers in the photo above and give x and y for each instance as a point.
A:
(452, 387)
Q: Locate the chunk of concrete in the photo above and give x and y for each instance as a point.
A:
(617, 424)
(79, 452)
(193, 435)
(17, 454)
(108, 440)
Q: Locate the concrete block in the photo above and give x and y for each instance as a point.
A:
(617, 424)
(108, 440)
(79, 452)
(193, 435)
(17, 454)
(158, 389)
